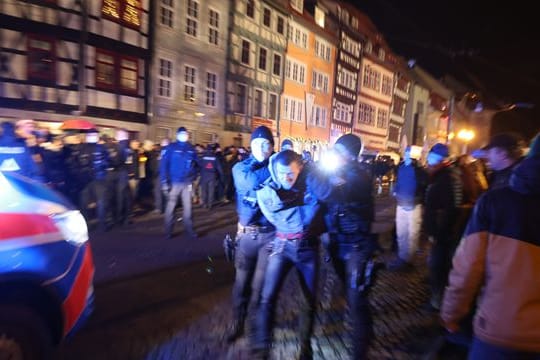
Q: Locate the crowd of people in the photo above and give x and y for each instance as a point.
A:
(476, 215)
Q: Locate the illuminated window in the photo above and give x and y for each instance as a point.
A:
(105, 66)
(41, 59)
(213, 26)
(125, 12)
(319, 17)
(211, 89)
(128, 74)
(189, 83)
(298, 5)
(166, 13)
(116, 72)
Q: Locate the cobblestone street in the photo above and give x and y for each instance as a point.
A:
(183, 312)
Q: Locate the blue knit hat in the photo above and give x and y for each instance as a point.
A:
(440, 149)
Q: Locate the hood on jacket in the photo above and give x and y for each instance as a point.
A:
(525, 178)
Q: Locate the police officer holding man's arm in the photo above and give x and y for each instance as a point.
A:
(350, 212)
(255, 232)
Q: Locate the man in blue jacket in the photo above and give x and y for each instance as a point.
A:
(289, 201)
(178, 169)
(254, 231)
(15, 155)
(409, 192)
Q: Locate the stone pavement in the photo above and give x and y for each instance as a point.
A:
(190, 322)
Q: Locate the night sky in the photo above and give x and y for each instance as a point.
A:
(493, 49)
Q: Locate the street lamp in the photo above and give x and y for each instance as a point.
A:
(465, 135)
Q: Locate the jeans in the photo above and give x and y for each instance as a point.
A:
(481, 350)
(208, 189)
(408, 224)
(349, 261)
(285, 255)
(95, 190)
(250, 264)
(183, 190)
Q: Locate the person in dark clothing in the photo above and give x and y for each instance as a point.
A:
(93, 164)
(54, 161)
(409, 192)
(440, 217)
(178, 170)
(211, 173)
(289, 201)
(254, 232)
(349, 215)
(231, 158)
(15, 155)
(154, 162)
(503, 153)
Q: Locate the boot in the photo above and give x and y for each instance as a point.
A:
(236, 330)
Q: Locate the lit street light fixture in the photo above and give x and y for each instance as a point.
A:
(465, 135)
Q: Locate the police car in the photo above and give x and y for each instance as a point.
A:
(46, 269)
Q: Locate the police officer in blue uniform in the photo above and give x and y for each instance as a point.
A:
(255, 232)
(350, 212)
(178, 169)
(93, 164)
(15, 155)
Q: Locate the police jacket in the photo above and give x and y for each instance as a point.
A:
(115, 155)
(178, 163)
(210, 166)
(15, 156)
(249, 176)
(294, 211)
(93, 162)
(129, 159)
(350, 205)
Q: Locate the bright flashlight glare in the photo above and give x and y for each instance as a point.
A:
(330, 161)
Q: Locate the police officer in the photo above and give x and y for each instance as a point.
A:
(94, 162)
(211, 173)
(289, 201)
(254, 231)
(15, 155)
(178, 169)
(350, 211)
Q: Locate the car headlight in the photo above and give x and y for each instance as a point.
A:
(72, 226)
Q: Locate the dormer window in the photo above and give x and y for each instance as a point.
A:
(369, 47)
(298, 5)
(319, 17)
(381, 54)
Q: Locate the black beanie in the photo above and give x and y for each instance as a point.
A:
(351, 142)
(262, 132)
(181, 129)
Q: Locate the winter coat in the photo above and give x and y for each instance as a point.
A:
(498, 260)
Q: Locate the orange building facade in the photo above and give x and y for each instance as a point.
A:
(306, 101)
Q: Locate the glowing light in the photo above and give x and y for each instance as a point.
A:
(466, 135)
